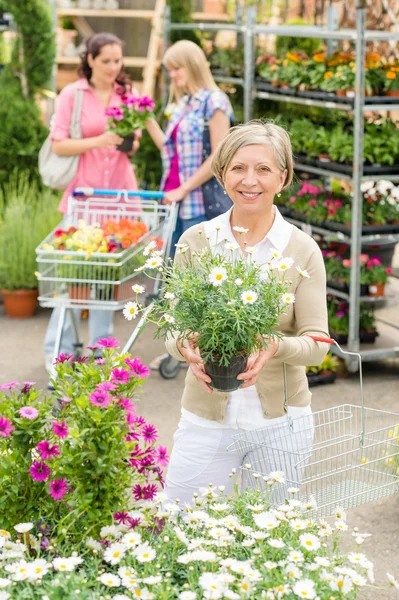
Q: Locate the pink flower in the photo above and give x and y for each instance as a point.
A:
(128, 405)
(138, 492)
(63, 358)
(137, 367)
(161, 455)
(100, 361)
(312, 203)
(340, 314)
(292, 199)
(28, 412)
(346, 262)
(115, 113)
(145, 103)
(109, 342)
(331, 211)
(60, 429)
(58, 489)
(6, 427)
(27, 386)
(122, 518)
(102, 399)
(376, 261)
(105, 386)
(388, 271)
(39, 471)
(120, 375)
(149, 433)
(337, 203)
(129, 100)
(9, 386)
(47, 451)
(363, 259)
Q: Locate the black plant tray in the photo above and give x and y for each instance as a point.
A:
(365, 337)
(346, 168)
(344, 287)
(321, 378)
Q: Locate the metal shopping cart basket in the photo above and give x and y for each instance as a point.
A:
(70, 279)
(344, 456)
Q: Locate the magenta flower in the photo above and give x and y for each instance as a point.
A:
(120, 375)
(161, 455)
(340, 314)
(47, 451)
(58, 489)
(146, 103)
(114, 112)
(137, 367)
(129, 100)
(138, 492)
(105, 386)
(63, 358)
(102, 399)
(28, 412)
(128, 406)
(109, 342)
(149, 491)
(92, 348)
(80, 359)
(122, 518)
(27, 386)
(9, 386)
(6, 427)
(60, 429)
(39, 471)
(149, 433)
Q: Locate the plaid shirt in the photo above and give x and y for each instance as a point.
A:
(189, 113)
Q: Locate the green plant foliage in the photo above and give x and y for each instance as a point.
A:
(181, 13)
(27, 215)
(22, 131)
(308, 45)
(34, 23)
(148, 164)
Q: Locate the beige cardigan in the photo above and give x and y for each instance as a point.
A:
(308, 315)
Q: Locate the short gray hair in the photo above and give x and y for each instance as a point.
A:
(247, 134)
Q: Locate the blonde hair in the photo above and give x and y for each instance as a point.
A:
(190, 56)
(247, 134)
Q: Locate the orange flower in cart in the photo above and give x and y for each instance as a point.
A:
(126, 232)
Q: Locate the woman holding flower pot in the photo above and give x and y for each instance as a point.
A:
(103, 84)
(254, 163)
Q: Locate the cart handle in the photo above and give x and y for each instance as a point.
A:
(318, 338)
(145, 194)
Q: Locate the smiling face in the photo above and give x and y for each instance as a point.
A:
(253, 178)
(107, 64)
(179, 77)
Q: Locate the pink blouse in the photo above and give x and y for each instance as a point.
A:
(100, 167)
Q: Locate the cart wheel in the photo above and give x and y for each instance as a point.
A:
(169, 367)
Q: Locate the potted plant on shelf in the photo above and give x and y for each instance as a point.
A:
(130, 115)
(227, 305)
(324, 373)
(391, 80)
(377, 276)
(368, 330)
(338, 321)
(27, 214)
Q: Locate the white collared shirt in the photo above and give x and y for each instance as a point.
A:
(244, 409)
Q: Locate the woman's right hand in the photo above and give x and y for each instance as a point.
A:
(108, 140)
(189, 350)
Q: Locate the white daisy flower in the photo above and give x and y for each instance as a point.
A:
(276, 543)
(125, 572)
(5, 534)
(182, 249)
(240, 229)
(187, 595)
(366, 186)
(295, 556)
(309, 541)
(340, 513)
(114, 553)
(322, 561)
(220, 507)
(4, 595)
(110, 580)
(238, 282)
(37, 569)
(293, 571)
(64, 564)
(341, 525)
(249, 297)
(23, 527)
(4, 582)
(138, 289)
(217, 276)
(154, 262)
(121, 597)
(232, 246)
(260, 535)
(303, 272)
(93, 544)
(305, 589)
(250, 250)
(270, 565)
(342, 584)
(275, 255)
(392, 581)
(110, 531)
(131, 539)
(149, 249)
(144, 553)
(130, 582)
(169, 296)
(283, 264)
(152, 580)
(139, 269)
(168, 318)
(288, 298)
(131, 310)
(277, 476)
(266, 520)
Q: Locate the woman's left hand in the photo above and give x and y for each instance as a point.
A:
(256, 362)
(136, 146)
(176, 195)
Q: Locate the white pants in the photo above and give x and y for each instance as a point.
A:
(200, 455)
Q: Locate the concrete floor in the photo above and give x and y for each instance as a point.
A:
(22, 359)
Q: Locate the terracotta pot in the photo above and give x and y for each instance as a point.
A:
(394, 93)
(376, 289)
(79, 292)
(324, 157)
(20, 304)
(340, 93)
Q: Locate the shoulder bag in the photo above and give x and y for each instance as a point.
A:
(216, 202)
(58, 171)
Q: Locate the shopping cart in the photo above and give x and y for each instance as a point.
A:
(343, 456)
(70, 279)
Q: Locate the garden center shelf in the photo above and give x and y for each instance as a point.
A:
(387, 299)
(385, 346)
(343, 171)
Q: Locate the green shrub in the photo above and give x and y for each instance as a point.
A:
(308, 45)
(180, 12)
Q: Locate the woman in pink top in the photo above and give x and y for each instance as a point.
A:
(101, 165)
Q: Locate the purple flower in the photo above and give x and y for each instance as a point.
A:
(149, 491)
(47, 451)
(137, 367)
(146, 103)
(162, 457)
(66, 400)
(9, 386)
(44, 543)
(149, 433)
(105, 386)
(28, 412)
(6, 427)
(80, 359)
(102, 399)
(340, 314)
(120, 375)
(114, 112)
(128, 406)
(63, 358)
(92, 348)
(39, 471)
(138, 492)
(129, 100)
(122, 518)
(109, 342)
(134, 522)
(100, 361)
(60, 429)
(58, 488)
(27, 386)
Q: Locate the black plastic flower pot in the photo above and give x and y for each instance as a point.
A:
(224, 378)
(321, 378)
(127, 144)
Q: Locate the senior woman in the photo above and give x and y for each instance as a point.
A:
(254, 163)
